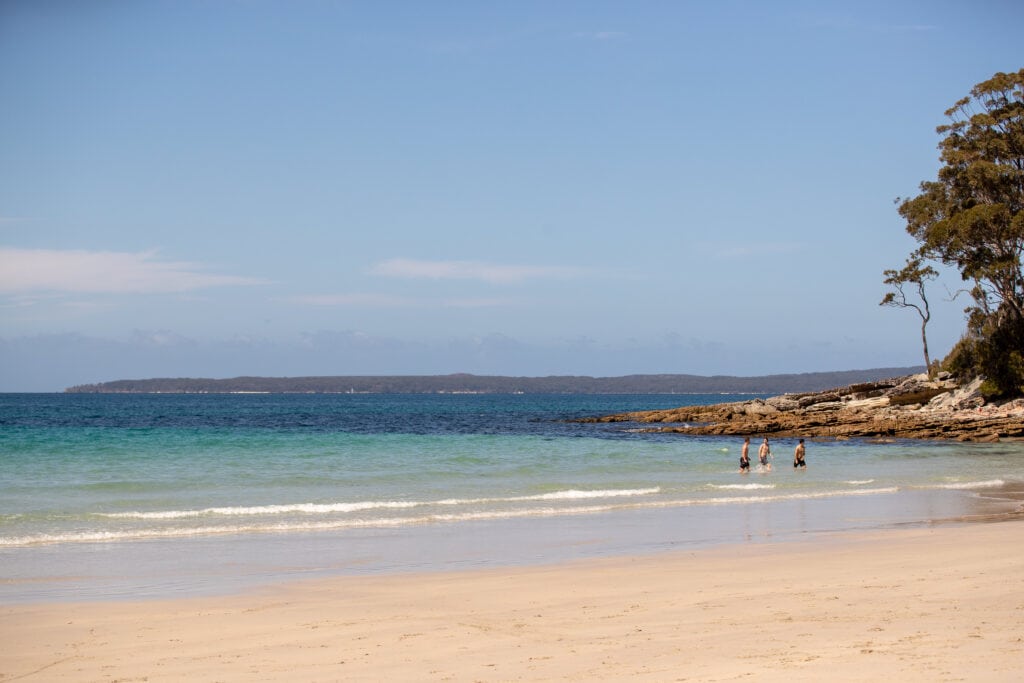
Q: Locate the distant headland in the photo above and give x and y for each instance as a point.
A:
(495, 384)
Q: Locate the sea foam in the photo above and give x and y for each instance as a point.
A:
(969, 485)
(267, 526)
(742, 487)
(336, 508)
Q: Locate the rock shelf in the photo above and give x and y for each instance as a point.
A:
(911, 407)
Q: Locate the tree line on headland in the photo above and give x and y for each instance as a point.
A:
(971, 218)
(484, 384)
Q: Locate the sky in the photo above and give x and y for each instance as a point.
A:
(216, 188)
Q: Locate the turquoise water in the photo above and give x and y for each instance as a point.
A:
(90, 480)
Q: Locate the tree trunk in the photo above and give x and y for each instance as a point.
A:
(924, 342)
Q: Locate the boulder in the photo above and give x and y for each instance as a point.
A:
(917, 389)
(759, 407)
(807, 400)
(868, 403)
(782, 403)
(964, 398)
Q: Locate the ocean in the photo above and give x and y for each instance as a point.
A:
(109, 496)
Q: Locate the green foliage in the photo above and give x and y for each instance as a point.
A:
(991, 349)
(1000, 358)
(963, 358)
(972, 218)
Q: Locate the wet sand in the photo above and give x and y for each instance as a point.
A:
(917, 604)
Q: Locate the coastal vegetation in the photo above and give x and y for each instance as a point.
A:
(972, 218)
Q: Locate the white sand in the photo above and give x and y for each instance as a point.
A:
(941, 604)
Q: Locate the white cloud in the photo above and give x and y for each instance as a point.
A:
(370, 300)
(75, 271)
(482, 302)
(470, 270)
(357, 300)
(160, 338)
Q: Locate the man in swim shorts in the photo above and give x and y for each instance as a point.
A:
(745, 456)
(764, 453)
(798, 455)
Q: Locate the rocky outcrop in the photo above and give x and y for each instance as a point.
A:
(912, 407)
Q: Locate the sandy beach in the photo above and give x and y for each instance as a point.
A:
(928, 604)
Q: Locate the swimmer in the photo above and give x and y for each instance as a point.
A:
(765, 454)
(798, 455)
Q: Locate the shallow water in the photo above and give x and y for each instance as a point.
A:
(106, 495)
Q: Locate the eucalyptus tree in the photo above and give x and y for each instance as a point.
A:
(972, 218)
(913, 273)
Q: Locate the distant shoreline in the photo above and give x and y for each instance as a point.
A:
(495, 384)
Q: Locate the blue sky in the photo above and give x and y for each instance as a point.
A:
(227, 187)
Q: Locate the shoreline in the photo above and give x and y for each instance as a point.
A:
(929, 603)
(225, 565)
